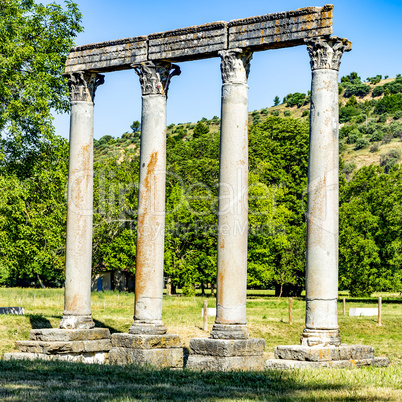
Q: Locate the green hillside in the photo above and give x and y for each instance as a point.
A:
(370, 123)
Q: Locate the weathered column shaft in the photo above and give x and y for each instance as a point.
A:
(233, 198)
(323, 194)
(77, 299)
(323, 199)
(151, 201)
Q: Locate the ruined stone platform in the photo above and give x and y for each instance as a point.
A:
(75, 345)
(163, 351)
(226, 354)
(298, 356)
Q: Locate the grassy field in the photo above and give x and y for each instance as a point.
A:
(268, 319)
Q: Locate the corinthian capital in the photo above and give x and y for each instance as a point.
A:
(82, 85)
(235, 65)
(155, 77)
(326, 52)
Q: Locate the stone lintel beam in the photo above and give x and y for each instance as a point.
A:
(270, 31)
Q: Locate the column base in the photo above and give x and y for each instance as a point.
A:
(76, 322)
(299, 356)
(223, 331)
(162, 351)
(321, 337)
(75, 345)
(144, 328)
(226, 354)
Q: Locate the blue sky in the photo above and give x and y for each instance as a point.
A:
(374, 27)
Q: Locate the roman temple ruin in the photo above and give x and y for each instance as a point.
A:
(153, 59)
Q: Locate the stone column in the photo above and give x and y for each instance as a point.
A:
(233, 198)
(323, 194)
(77, 299)
(154, 79)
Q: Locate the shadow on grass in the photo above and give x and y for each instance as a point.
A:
(373, 300)
(39, 321)
(100, 324)
(56, 381)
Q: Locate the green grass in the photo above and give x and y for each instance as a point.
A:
(70, 382)
(267, 318)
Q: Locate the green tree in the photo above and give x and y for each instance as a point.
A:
(33, 219)
(352, 78)
(115, 213)
(371, 231)
(136, 126)
(35, 42)
(278, 166)
(277, 101)
(200, 129)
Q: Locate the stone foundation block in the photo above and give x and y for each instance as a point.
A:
(146, 341)
(227, 347)
(98, 358)
(327, 353)
(302, 364)
(66, 335)
(227, 363)
(226, 354)
(162, 358)
(102, 345)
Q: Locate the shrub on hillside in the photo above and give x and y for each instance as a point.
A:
(297, 99)
(363, 128)
(382, 118)
(359, 90)
(374, 80)
(200, 129)
(353, 136)
(106, 139)
(286, 113)
(389, 104)
(347, 112)
(346, 130)
(361, 143)
(398, 115)
(387, 139)
(390, 159)
(376, 136)
(360, 118)
(377, 91)
(375, 147)
(349, 168)
(352, 78)
(395, 128)
(275, 113)
(394, 87)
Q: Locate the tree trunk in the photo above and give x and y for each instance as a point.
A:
(40, 282)
(287, 290)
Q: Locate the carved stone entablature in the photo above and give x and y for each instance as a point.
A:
(155, 77)
(235, 65)
(82, 85)
(326, 52)
(271, 31)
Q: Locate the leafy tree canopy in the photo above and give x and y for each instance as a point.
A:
(35, 42)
